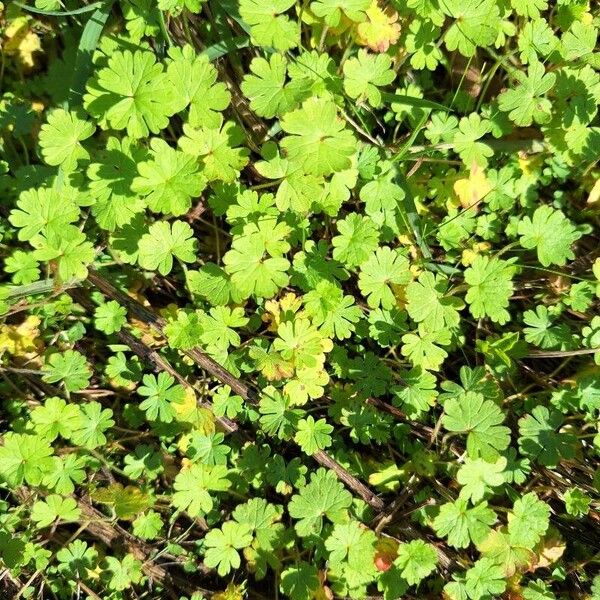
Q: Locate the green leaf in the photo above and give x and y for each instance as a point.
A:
(65, 473)
(526, 103)
(300, 582)
(160, 393)
(126, 501)
(427, 302)
(76, 558)
(476, 23)
(94, 422)
(69, 249)
(212, 283)
(529, 8)
(255, 262)
(218, 150)
(195, 82)
(54, 508)
(132, 92)
(466, 144)
(463, 525)
(383, 270)
(61, 137)
(169, 180)
(148, 525)
(42, 211)
(538, 590)
(541, 331)
(165, 241)
(323, 497)
(266, 87)
(490, 288)
(423, 347)
(417, 392)
(24, 458)
(579, 40)
(313, 435)
(218, 327)
(528, 521)
(540, 440)
(70, 368)
(577, 502)
(55, 418)
(263, 519)
(111, 180)
(110, 317)
(193, 486)
(366, 73)
(268, 26)
(416, 560)
(551, 234)
(485, 579)
(317, 139)
(333, 11)
(122, 573)
(357, 239)
(471, 413)
(332, 312)
(222, 546)
(478, 476)
(277, 417)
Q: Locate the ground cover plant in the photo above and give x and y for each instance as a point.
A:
(299, 299)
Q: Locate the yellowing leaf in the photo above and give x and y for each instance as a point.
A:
(594, 196)
(22, 42)
(528, 164)
(23, 340)
(281, 310)
(380, 30)
(231, 592)
(549, 551)
(188, 411)
(497, 547)
(323, 593)
(127, 502)
(388, 477)
(469, 254)
(472, 189)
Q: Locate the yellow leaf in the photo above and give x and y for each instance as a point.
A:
(594, 196)
(278, 311)
(380, 30)
(323, 592)
(529, 164)
(23, 340)
(22, 42)
(388, 477)
(231, 592)
(472, 189)
(469, 254)
(184, 442)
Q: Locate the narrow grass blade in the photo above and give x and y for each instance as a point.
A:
(225, 46)
(412, 101)
(87, 45)
(59, 13)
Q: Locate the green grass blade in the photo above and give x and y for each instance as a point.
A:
(412, 101)
(87, 45)
(225, 46)
(59, 13)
